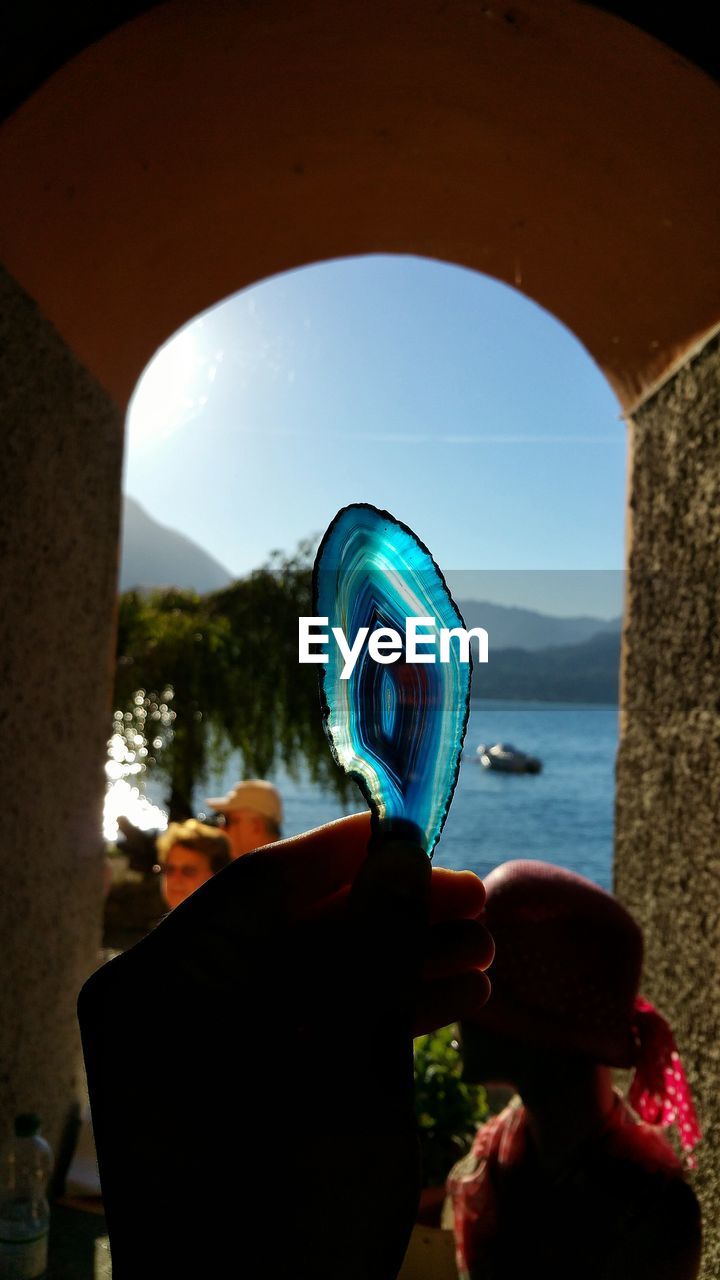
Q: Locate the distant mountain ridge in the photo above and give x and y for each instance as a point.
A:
(533, 656)
(152, 555)
(586, 672)
(510, 627)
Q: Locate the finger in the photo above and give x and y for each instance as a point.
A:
(454, 895)
(449, 1000)
(455, 947)
(287, 879)
(388, 913)
(318, 863)
(307, 877)
(393, 884)
(321, 863)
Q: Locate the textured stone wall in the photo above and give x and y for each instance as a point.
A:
(668, 777)
(61, 443)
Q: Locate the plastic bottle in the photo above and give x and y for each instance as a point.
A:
(25, 1166)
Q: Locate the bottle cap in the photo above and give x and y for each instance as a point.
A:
(27, 1125)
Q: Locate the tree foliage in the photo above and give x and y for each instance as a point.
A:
(229, 663)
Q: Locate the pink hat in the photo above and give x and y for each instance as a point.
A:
(567, 962)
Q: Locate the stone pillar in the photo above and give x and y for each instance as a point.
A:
(59, 517)
(667, 862)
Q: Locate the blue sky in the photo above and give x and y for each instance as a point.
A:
(447, 398)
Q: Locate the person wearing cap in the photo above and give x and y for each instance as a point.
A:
(253, 815)
(190, 853)
(571, 1180)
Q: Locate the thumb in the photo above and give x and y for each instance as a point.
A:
(389, 911)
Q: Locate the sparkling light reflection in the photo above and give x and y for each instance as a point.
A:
(124, 800)
(144, 727)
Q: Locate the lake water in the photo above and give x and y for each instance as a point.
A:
(562, 815)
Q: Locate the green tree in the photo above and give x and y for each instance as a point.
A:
(226, 664)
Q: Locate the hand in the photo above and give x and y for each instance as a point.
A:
(250, 1064)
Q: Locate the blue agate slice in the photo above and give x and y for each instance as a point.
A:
(396, 726)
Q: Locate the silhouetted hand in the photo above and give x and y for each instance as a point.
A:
(250, 1061)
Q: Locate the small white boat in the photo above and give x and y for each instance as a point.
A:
(506, 759)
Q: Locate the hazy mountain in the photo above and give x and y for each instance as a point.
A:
(532, 655)
(587, 672)
(514, 628)
(152, 555)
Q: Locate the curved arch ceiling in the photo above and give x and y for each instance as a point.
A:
(203, 147)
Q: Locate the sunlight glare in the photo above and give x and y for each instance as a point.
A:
(173, 389)
(124, 800)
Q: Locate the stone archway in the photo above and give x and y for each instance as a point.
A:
(202, 147)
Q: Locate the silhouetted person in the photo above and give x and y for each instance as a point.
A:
(568, 1182)
(134, 905)
(138, 846)
(275, 1008)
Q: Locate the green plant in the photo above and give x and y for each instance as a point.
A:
(448, 1110)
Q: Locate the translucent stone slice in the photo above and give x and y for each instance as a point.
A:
(395, 725)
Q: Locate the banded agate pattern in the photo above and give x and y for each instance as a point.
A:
(396, 728)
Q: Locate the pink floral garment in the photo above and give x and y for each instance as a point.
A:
(476, 1183)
